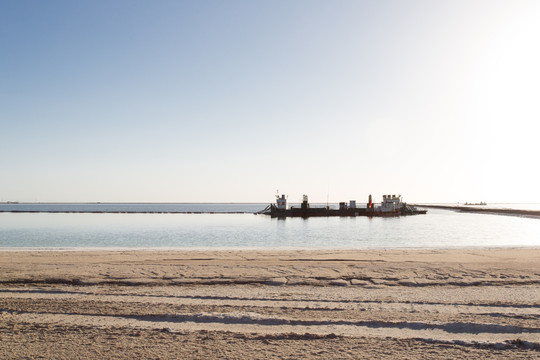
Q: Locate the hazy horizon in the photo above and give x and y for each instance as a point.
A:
(205, 102)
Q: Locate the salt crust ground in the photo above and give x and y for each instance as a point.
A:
(398, 304)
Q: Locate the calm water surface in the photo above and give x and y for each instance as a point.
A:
(437, 229)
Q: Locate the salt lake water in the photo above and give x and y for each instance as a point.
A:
(243, 229)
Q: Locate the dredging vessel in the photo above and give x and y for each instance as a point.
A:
(391, 205)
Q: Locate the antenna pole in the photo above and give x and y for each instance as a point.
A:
(327, 195)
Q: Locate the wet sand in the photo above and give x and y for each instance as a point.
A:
(399, 304)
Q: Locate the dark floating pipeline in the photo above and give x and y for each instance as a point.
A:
(121, 212)
(391, 205)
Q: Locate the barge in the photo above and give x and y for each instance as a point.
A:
(391, 205)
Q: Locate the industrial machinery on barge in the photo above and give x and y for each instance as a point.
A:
(391, 205)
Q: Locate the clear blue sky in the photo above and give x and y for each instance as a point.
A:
(230, 100)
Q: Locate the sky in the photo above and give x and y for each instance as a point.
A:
(232, 101)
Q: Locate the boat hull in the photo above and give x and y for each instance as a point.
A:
(349, 212)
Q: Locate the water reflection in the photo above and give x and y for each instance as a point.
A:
(439, 228)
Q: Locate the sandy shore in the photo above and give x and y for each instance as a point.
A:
(398, 304)
(485, 210)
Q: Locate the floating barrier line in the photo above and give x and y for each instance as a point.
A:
(122, 212)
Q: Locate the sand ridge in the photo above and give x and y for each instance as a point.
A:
(464, 303)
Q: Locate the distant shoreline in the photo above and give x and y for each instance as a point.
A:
(474, 209)
(223, 208)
